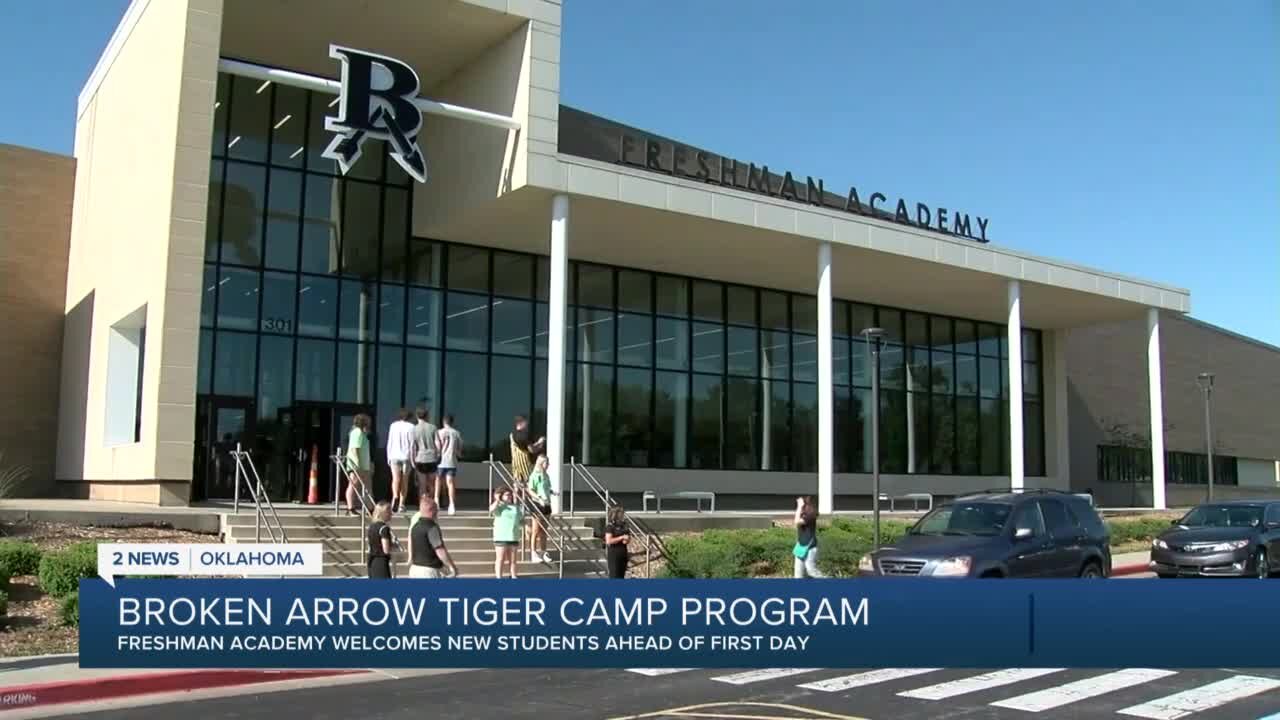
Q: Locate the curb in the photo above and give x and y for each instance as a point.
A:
(1136, 569)
(117, 686)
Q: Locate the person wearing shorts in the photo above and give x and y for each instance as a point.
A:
(507, 521)
(425, 454)
(539, 489)
(449, 445)
(399, 451)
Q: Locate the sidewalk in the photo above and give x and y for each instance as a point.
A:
(1131, 563)
(36, 683)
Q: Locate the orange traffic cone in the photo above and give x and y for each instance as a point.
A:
(313, 495)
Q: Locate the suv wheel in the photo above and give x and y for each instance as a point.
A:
(1091, 571)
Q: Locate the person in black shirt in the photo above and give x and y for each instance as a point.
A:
(428, 556)
(616, 537)
(380, 542)
(806, 549)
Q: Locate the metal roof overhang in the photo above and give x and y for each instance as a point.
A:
(631, 218)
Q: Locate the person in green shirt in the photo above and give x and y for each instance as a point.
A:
(359, 466)
(540, 495)
(507, 520)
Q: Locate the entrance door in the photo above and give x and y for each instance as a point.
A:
(319, 431)
(224, 423)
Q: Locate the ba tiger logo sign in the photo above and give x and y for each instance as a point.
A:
(376, 101)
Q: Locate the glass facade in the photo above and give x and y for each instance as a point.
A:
(316, 294)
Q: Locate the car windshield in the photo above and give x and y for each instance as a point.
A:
(1223, 516)
(964, 518)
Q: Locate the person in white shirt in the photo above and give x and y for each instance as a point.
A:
(399, 457)
(449, 442)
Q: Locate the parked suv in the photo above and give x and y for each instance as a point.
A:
(1033, 534)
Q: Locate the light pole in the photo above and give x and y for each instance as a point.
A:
(874, 335)
(1205, 381)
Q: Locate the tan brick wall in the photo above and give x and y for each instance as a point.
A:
(35, 228)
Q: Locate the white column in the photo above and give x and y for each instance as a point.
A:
(1017, 476)
(558, 297)
(1157, 408)
(826, 428)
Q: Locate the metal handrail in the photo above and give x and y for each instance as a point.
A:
(556, 532)
(602, 493)
(259, 495)
(367, 503)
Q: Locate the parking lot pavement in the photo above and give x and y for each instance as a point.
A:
(774, 694)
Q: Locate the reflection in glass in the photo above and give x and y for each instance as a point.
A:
(917, 330)
(708, 303)
(238, 299)
(671, 419)
(542, 323)
(395, 234)
(672, 344)
(512, 275)
(204, 378)
(708, 422)
(213, 212)
(673, 296)
(708, 347)
(966, 375)
(279, 293)
(989, 434)
(317, 306)
(538, 421)
(804, 313)
(631, 449)
(390, 395)
(209, 298)
(510, 392)
(775, 357)
(861, 317)
(943, 373)
(940, 338)
(804, 357)
(355, 372)
(250, 119)
(775, 403)
(943, 434)
(284, 219)
(595, 286)
(743, 344)
(512, 327)
(220, 109)
(595, 335)
(842, 421)
(593, 412)
(893, 432)
(289, 126)
(967, 436)
(804, 427)
(426, 263)
(468, 268)
(466, 322)
(633, 291)
(742, 305)
(742, 424)
(466, 392)
(635, 339)
(361, 221)
(234, 364)
(422, 381)
(391, 314)
(321, 224)
(275, 376)
(355, 318)
(892, 367)
(891, 322)
(773, 310)
(242, 214)
(314, 373)
(1033, 438)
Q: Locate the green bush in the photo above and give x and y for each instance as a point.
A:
(69, 611)
(61, 570)
(19, 558)
(4, 579)
(765, 553)
(1136, 530)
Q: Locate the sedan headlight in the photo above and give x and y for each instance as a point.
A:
(865, 564)
(953, 567)
(1158, 543)
(1229, 546)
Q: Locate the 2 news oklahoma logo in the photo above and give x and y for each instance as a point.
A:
(376, 101)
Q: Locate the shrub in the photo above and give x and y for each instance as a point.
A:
(4, 607)
(19, 558)
(61, 571)
(69, 611)
(1136, 529)
(4, 579)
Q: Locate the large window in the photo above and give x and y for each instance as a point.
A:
(1132, 465)
(316, 291)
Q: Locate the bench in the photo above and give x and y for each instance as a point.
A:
(696, 495)
(915, 499)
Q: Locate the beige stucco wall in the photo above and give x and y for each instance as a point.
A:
(470, 164)
(137, 239)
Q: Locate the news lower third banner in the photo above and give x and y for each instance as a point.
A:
(405, 623)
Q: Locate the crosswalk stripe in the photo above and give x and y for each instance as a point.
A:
(754, 676)
(865, 678)
(1205, 697)
(655, 672)
(963, 686)
(1082, 689)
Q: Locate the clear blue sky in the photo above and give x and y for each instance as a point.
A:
(1138, 137)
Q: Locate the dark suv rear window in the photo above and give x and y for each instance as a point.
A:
(1086, 516)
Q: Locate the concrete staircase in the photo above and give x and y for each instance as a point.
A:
(468, 535)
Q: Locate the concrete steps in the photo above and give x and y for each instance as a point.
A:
(468, 535)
